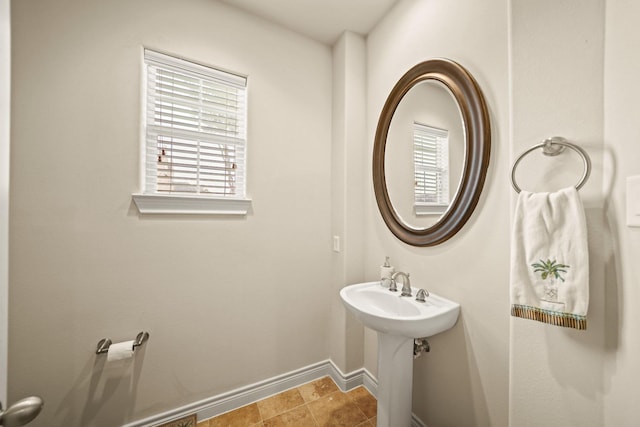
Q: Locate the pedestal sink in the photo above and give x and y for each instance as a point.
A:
(398, 321)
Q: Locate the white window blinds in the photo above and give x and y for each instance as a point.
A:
(195, 129)
(431, 163)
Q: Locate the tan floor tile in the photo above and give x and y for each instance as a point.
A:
(359, 392)
(188, 421)
(280, 403)
(317, 389)
(336, 409)
(243, 417)
(298, 417)
(325, 405)
(364, 400)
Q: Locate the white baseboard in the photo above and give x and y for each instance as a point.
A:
(225, 402)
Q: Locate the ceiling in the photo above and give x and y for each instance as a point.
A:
(321, 20)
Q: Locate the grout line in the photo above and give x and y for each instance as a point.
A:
(313, 416)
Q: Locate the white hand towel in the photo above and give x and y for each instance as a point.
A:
(550, 259)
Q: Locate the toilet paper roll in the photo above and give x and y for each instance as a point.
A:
(119, 351)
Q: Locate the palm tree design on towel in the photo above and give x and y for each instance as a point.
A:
(550, 271)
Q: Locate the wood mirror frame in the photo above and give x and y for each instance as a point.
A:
(477, 129)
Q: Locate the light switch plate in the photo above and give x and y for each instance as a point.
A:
(633, 201)
(336, 243)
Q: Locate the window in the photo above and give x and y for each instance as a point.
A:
(195, 138)
(431, 165)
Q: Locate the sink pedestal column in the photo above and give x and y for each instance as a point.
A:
(395, 380)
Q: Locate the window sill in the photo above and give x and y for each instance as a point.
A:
(189, 205)
(420, 209)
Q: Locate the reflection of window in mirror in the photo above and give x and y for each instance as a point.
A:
(431, 166)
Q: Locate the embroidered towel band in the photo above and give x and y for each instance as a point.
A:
(550, 259)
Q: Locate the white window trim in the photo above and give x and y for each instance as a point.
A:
(429, 209)
(180, 204)
(186, 204)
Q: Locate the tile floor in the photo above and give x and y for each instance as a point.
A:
(315, 404)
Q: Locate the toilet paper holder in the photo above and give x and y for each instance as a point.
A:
(104, 343)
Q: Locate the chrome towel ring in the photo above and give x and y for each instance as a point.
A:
(552, 147)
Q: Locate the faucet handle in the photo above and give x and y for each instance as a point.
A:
(422, 295)
(392, 286)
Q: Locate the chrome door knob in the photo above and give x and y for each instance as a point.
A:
(22, 412)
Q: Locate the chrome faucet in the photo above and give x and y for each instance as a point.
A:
(406, 283)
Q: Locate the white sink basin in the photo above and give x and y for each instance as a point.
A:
(385, 311)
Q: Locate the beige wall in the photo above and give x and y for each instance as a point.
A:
(463, 381)
(227, 301)
(573, 56)
(5, 83)
(347, 162)
(622, 247)
(556, 374)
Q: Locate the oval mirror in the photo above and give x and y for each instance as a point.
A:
(425, 154)
(431, 152)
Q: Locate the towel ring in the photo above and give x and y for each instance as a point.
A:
(552, 147)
